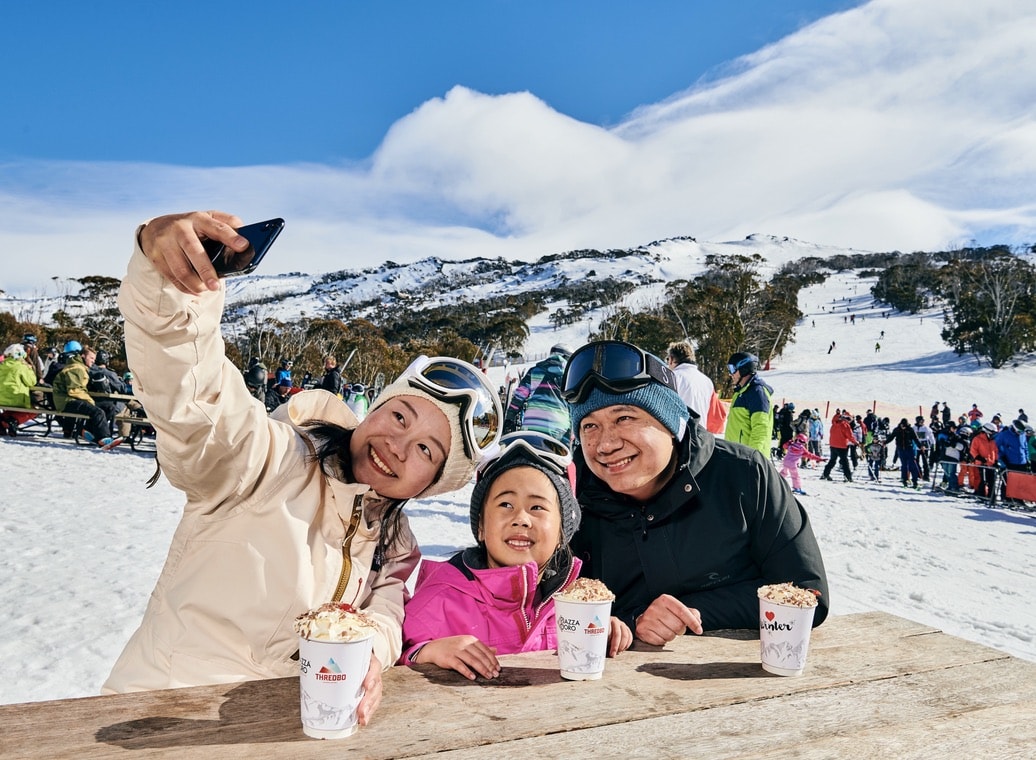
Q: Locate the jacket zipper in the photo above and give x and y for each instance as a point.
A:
(525, 595)
(539, 609)
(347, 560)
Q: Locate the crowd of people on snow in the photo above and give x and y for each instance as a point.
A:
(963, 454)
(77, 380)
(275, 388)
(81, 382)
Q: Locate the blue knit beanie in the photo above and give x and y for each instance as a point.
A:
(660, 401)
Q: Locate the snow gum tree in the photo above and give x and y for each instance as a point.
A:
(992, 307)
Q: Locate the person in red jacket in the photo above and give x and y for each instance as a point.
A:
(984, 453)
(841, 438)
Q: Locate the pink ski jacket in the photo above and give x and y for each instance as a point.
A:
(496, 605)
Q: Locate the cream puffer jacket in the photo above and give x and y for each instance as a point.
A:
(265, 534)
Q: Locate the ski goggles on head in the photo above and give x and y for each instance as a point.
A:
(457, 382)
(550, 452)
(613, 366)
(732, 368)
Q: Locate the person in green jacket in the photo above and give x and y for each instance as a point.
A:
(750, 420)
(70, 395)
(16, 380)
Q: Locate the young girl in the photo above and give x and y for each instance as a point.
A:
(795, 451)
(286, 511)
(496, 598)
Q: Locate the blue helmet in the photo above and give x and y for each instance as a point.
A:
(73, 347)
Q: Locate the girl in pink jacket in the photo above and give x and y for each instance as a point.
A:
(497, 597)
(794, 451)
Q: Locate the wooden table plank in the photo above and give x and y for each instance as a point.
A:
(692, 688)
(986, 709)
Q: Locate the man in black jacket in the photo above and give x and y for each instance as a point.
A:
(683, 527)
(104, 380)
(278, 394)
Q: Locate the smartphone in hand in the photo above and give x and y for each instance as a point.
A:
(229, 263)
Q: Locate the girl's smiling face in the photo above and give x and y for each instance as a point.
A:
(521, 518)
(400, 448)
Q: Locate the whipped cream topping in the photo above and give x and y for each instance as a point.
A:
(789, 594)
(335, 622)
(586, 590)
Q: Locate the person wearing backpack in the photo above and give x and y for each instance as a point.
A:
(103, 380)
(332, 379)
(537, 404)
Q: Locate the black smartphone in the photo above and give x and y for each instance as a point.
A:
(229, 263)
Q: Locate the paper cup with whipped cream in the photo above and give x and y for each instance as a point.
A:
(335, 643)
(785, 621)
(582, 613)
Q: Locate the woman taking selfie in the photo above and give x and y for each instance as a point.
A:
(286, 511)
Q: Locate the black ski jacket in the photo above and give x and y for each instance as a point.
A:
(725, 524)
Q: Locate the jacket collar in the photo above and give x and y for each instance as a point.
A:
(473, 560)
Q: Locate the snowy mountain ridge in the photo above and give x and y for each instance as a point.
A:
(351, 293)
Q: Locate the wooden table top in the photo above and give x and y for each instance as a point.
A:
(875, 685)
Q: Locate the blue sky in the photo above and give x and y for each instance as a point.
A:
(235, 83)
(399, 131)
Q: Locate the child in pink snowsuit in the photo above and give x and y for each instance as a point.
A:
(794, 451)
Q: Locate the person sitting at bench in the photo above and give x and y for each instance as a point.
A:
(70, 395)
(16, 380)
(104, 380)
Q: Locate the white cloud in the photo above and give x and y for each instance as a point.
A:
(900, 124)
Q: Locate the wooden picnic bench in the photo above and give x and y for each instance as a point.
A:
(47, 418)
(875, 686)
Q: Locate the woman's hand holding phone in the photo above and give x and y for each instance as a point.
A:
(230, 263)
(174, 245)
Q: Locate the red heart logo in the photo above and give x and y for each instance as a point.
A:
(769, 615)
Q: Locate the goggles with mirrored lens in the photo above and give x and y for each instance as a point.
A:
(457, 382)
(613, 366)
(550, 452)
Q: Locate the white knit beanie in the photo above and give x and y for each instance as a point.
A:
(459, 467)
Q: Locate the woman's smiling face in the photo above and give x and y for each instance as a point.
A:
(400, 448)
